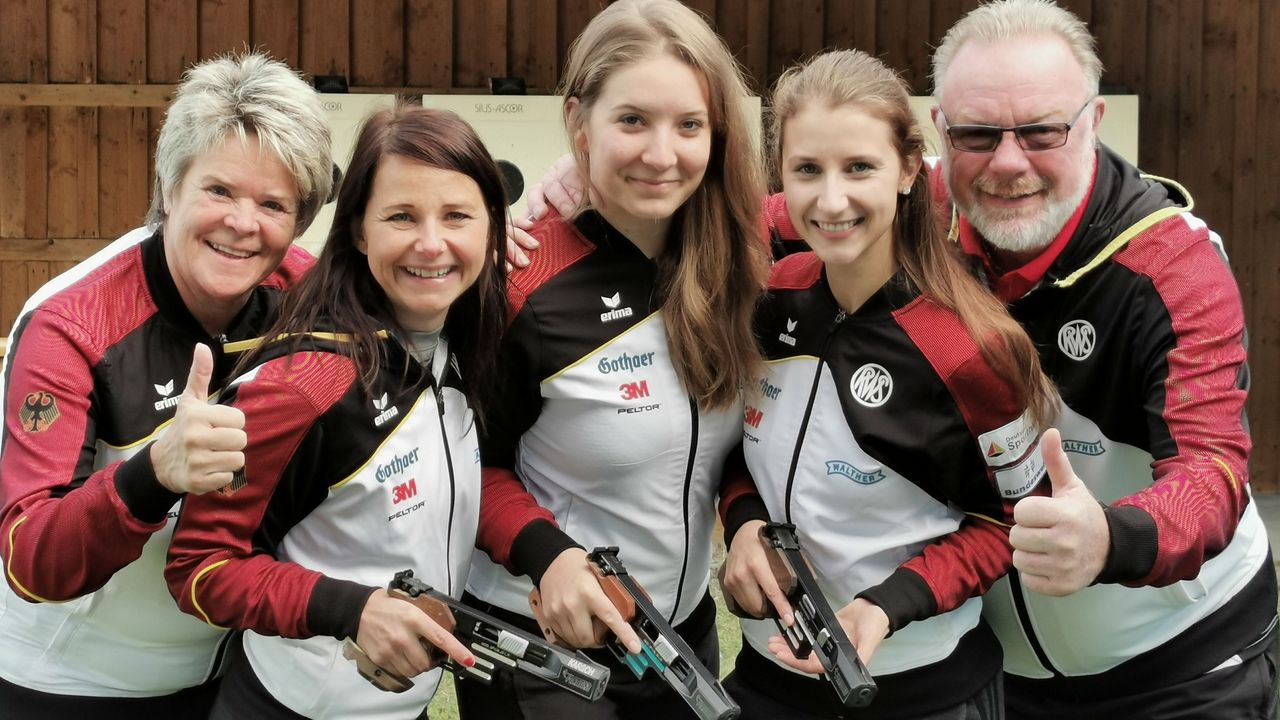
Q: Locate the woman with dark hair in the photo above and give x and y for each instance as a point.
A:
(362, 456)
(895, 425)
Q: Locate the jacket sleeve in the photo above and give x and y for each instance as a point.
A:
(740, 500)
(221, 565)
(514, 529)
(65, 528)
(1191, 362)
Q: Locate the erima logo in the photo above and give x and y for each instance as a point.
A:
(1081, 447)
(871, 385)
(1076, 339)
(164, 391)
(849, 470)
(380, 403)
(614, 312)
(786, 336)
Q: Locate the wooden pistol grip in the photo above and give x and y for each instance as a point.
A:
(437, 611)
(617, 594)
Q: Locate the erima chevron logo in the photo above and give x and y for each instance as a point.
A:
(380, 403)
(1076, 339)
(871, 385)
(786, 336)
(849, 470)
(164, 391)
(614, 312)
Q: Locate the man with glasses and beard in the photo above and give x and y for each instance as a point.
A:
(1144, 586)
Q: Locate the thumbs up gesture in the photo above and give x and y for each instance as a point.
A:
(1060, 543)
(205, 444)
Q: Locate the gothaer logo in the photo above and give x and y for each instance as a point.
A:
(1076, 339)
(871, 385)
(851, 471)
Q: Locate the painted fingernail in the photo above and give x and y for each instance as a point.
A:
(469, 661)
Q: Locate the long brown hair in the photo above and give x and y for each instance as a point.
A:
(341, 294)
(930, 261)
(713, 277)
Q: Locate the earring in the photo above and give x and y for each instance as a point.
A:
(905, 191)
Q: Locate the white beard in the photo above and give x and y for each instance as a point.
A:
(1020, 231)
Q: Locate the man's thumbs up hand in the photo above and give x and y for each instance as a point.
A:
(205, 444)
(1060, 543)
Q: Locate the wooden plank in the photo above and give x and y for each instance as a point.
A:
(24, 52)
(865, 31)
(122, 41)
(483, 26)
(377, 42)
(706, 8)
(36, 171)
(1120, 27)
(892, 23)
(429, 43)
(73, 172)
(1158, 102)
(1244, 112)
(1212, 183)
(326, 37)
(172, 39)
(919, 50)
(785, 30)
(531, 30)
(811, 14)
(123, 188)
(1191, 96)
(223, 26)
(1082, 8)
(83, 95)
(745, 28)
(13, 292)
(942, 15)
(1264, 313)
(37, 276)
(50, 249)
(73, 42)
(273, 27)
(572, 18)
(13, 132)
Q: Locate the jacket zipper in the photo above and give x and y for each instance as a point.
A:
(1024, 619)
(808, 409)
(688, 485)
(453, 490)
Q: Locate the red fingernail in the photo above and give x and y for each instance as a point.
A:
(469, 662)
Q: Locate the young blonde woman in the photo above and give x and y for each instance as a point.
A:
(628, 344)
(895, 425)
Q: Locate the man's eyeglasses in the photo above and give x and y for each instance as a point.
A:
(1035, 136)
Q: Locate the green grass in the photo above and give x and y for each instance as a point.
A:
(444, 706)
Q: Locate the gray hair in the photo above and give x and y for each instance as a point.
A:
(1007, 19)
(247, 93)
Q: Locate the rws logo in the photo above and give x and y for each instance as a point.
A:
(1076, 339)
(871, 385)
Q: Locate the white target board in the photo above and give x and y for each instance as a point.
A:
(526, 130)
(346, 114)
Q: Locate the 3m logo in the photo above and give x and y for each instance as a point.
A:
(753, 416)
(38, 412)
(786, 336)
(404, 491)
(634, 390)
(851, 471)
(386, 413)
(871, 385)
(1076, 339)
(164, 391)
(614, 312)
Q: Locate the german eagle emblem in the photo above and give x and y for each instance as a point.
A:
(39, 411)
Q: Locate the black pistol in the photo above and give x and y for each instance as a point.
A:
(495, 644)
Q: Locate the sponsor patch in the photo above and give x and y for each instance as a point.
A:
(752, 416)
(614, 311)
(1008, 442)
(1076, 339)
(1021, 477)
(786, 337)
(397, 465)
(769, 390)
(851, 471)
(871, 385)
(385, 413)
(39, 412)
(238, 481)
(1080, 447)
(626, 362)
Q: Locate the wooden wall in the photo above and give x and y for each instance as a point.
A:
(83, 83)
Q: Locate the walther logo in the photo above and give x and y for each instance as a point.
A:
(615, 312)
(871, 385)
(386, 413)
(1081, 447)
(1076, 339)
(165, 391)
(849, 470)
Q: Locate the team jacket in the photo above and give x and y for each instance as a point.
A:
(1140, 325)
(594, 432)
(97, 361)
(898, 453)
(341, 490)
